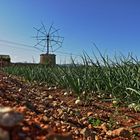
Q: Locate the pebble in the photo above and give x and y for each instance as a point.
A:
(45, 119)
(60, 111)
(22, 135)
(4, 135)
(78, 102)
(60, 137)
(65, 93)
(89, 114)
(5, 109)
(28, 138)
(50, 97)
(54, 103)
(85, 132)
(10, 119)
(64, 116)
(25, 129)
(77, 132)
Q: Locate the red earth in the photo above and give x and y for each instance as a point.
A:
(50, 113)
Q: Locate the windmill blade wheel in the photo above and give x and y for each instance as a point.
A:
(48, 39)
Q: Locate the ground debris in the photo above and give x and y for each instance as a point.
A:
(4, 135)
(30, 112)
(122, 132)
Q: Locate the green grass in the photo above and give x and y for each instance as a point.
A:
(119, 77)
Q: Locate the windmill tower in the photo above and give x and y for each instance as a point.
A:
(48, 41)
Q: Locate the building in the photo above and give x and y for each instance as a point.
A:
(5, 60)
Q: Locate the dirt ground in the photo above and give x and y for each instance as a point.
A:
(50, 113)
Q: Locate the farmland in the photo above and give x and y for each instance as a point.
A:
(119, 80)
(97, 95)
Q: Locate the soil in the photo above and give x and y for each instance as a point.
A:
(51, 113)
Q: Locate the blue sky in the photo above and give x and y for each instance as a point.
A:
(113, 25)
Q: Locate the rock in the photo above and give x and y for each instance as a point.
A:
(28, 138)
(22, 135)
(45, 111)
(132, 105)
(78, 101)
(89, 114)
(54, 103)
(59, 137)
(64, 116)
(50, 97)
(5, 109)
(9, 118)
(104, 127)
(45, 119)
(19, 89)
(114, 102)
(65, 93)
(60, 111)
(122, 132)
(25, 129)
(58, 124)
(49, 88)
(87, 132)
(4, 135)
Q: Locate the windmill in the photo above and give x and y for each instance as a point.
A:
(48, 41)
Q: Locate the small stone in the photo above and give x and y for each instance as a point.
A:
(19, 89)
(4, 135)
(132, 105)
(37, 98)
(64, 130)
(28, 138)
(64, 116)
(54, 103)
(25, 129)
(45, 119)
(71, 113)
(122, 132)
(77, 132)
(60, 111)
(65, 93)
(83, 119)
(69, 109)
(49, 88)
(85, 132)
(98, 137)
(90, 126)
(5, 109)
(55, 87)
(21, 135)
(85, 122)
(130, 121)
(60, 137)
(96, 115)
(57, 124)
(89, 114)
(115, 102)
(68, 127)
(104, 127)
(61, 102)
(78, 101)
(50, 97)
(10, 119)
(45, 111)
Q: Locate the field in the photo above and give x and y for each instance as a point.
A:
(96, 99)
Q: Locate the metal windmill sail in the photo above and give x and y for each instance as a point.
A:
(48, 40)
